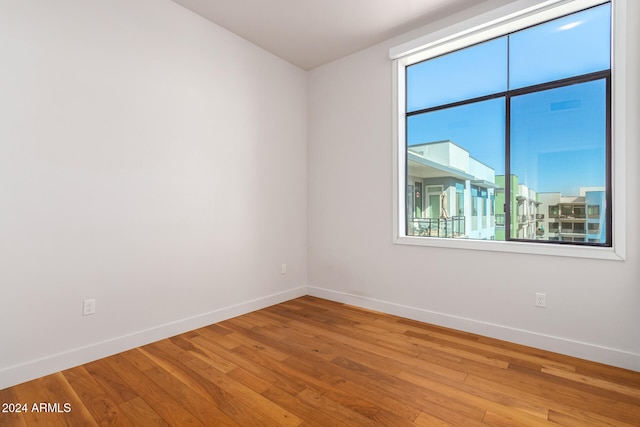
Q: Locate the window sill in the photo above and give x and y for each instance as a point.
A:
(514, 247)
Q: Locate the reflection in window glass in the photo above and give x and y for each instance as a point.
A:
(558, 152)
(558, 138)
(574, 45)
(451, 78)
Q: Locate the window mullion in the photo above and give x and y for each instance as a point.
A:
(507, 170)
(507, 151)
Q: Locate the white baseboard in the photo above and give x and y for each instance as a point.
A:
(33, 369)
(600, 354)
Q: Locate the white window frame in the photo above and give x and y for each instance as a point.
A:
(507, 19)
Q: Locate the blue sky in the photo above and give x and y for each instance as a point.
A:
(557, 136)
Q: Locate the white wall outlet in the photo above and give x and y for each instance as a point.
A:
(283, 269)
(541, 300)
(88, 307)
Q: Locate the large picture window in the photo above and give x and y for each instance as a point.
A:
(516, 131)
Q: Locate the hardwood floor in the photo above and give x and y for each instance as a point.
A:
(319, 363)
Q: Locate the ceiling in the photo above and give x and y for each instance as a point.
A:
(310, 33)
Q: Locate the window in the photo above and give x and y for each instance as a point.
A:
(513, 118)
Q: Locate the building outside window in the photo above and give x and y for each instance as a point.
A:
(514, 132)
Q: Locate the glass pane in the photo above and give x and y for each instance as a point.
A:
(558, 163)
(465, 74)
(570, 46)
(456, 155)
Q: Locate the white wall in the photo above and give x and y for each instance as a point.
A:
(157, 163)
(150, 160)
(593, 306)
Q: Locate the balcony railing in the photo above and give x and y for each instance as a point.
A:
(571, 230)
(526, 218)
(573, 216)
(439, 227)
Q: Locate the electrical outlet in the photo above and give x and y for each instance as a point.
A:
(283, 269)
(541, 300)
(88, 307)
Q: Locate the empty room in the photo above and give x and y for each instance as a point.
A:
(319, 212)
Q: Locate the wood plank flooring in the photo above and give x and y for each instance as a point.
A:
(313, 362)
